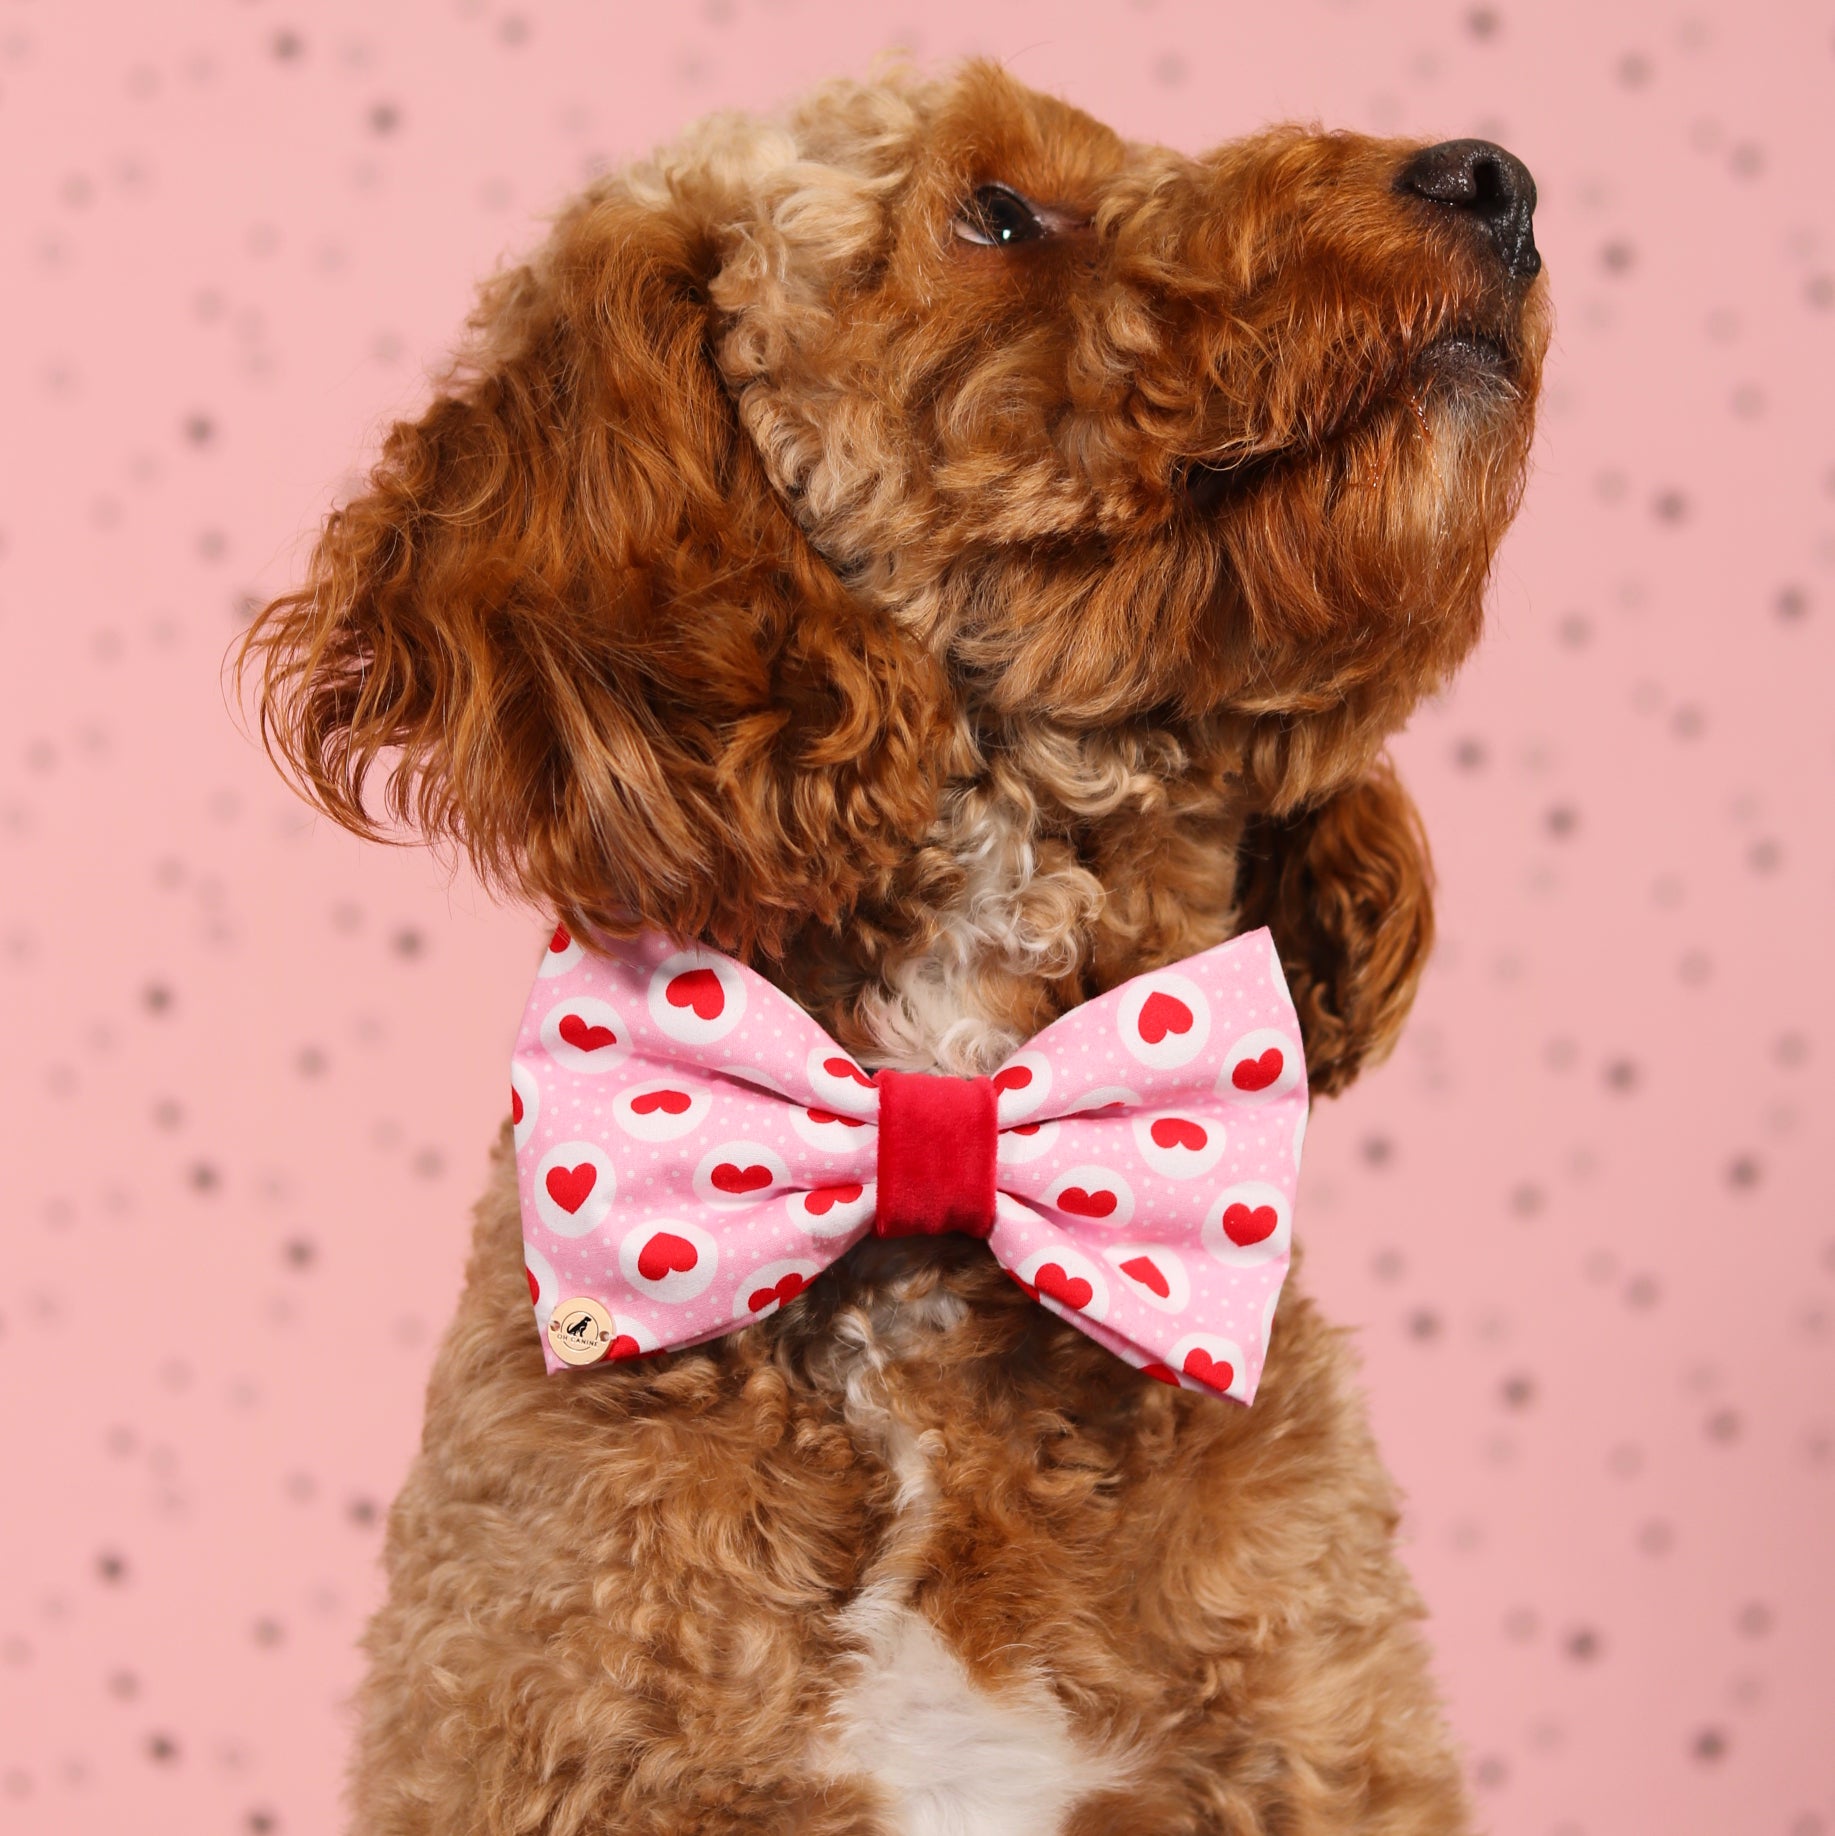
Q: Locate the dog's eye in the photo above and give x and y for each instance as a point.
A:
(998, 217)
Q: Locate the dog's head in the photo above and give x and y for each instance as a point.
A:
(820, 467)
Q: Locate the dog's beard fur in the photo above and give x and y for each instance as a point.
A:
(952, 632)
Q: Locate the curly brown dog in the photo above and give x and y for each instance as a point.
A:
(953, 559)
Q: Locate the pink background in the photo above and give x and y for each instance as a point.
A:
(1583, 1221)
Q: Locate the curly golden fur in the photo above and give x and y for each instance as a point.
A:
(951, 630)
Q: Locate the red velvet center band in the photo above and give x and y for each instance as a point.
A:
(936, 1154)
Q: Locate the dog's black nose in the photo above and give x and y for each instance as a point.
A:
(1494, 186)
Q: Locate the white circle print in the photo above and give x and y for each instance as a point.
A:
(543, 1289)
(1164, 1020)
(696, 997)
(1212, 1361)
(1024, 1141)
(668, 1259)
(828, 1131)
(525, 1102)
(1261, 1067)
(1153, 1273)
(1249, 1225)
(1071, 1282)
(1299, 1134)
(839, 1083)
(562, 952)
(1178, 1145)
(574, 1187)
(774, 1285)
(661, 1109)
(1093, 1195)
(1099, 1104)
(739, 1173)
(833, 1211)
(1021, 1086)
(586, 1034)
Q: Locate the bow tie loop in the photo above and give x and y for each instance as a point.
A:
(938, 1154)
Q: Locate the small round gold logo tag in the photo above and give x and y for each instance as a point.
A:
(580, 1331)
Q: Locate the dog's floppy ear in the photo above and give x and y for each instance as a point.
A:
(1347, 889)
(608, 664)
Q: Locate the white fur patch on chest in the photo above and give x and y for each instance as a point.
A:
(951, 1759)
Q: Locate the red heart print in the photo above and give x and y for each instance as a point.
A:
(728, 1178)
(824, 1199)
(670, 1102)
(1161, 1014)
(584, 1038)
(560, 940)
(1163, 1373)
(515, 1106)
(624, 1346)
(571, 1187)
(845, 1067)
(1070, 1291)
(787, 1289)
(666, 1254)
(1254, 1074)
(1015, 1077)
(699, 989)
(1219, 1373)
(535, 1291)
(1175, 1131)
(1025, 1128)
(1099, 1204)
(1149, 1274)
(1245, 1227)
(828, 1115)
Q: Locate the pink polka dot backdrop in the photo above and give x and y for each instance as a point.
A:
(1581, 1225)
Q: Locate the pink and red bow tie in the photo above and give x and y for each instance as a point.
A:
(692, 1150)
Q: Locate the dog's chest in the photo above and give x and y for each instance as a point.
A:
(949, 1757)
